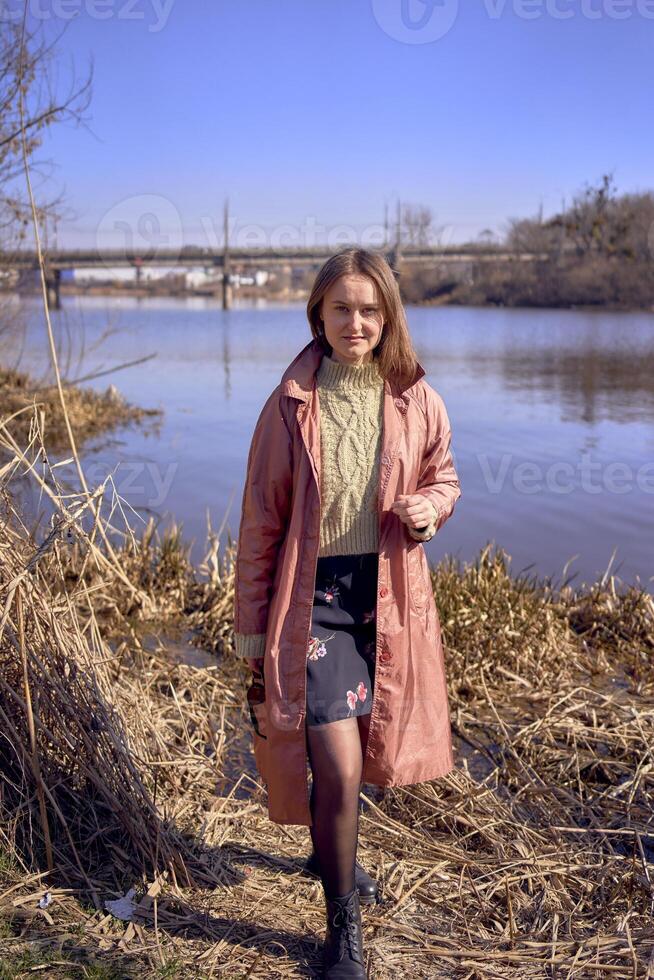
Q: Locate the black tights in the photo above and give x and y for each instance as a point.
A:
(336, 751)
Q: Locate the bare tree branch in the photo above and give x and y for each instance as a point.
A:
(32, 82)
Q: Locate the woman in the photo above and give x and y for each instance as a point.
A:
(349, 471)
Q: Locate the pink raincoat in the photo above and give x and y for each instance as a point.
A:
(409, 737)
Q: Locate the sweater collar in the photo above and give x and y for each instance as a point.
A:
(334, 374)
(298, 380)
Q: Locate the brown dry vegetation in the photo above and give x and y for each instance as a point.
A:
(126, 762)
(596, 253)
(91, 413)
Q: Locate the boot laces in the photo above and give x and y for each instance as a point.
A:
(345, 919)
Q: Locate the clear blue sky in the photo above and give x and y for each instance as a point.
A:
(313, 113)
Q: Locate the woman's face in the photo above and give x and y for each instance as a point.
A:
(352, 315)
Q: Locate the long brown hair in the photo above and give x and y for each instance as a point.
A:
(394, 353)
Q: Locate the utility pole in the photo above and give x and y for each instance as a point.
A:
(396, 252)
(227, 287)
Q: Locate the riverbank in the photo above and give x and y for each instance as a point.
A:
(91, 413)
(541, 292)
(469, 302)
(535, 854)
(157, 290)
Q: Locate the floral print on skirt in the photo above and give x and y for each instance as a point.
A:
(341, 650)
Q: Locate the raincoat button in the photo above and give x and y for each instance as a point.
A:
(399, 403)
(383, 592)
(385, 655)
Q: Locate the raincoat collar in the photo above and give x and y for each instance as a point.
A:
(298, 380)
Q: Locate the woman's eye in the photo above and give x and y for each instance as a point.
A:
(368, 311)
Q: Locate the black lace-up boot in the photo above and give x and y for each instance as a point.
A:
(366, 885)
(343, 950)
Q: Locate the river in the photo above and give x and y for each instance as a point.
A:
(552, 415)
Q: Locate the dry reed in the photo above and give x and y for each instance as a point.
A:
(126, 761)
(91, 412)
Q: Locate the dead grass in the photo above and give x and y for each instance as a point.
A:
(125, 755)
(91, 413)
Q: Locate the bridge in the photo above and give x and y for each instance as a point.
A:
(458, 259)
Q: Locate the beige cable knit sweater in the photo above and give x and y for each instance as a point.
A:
(351, 400)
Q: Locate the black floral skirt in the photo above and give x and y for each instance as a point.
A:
(341, 653)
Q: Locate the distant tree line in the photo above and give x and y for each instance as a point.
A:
(599, 251)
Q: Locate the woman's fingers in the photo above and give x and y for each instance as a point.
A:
(413, 509)
(255, 663)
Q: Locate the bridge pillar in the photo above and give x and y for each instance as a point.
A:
(53, 288)
(227, 286)
(227, 289)
(396, 251)
(395, 259)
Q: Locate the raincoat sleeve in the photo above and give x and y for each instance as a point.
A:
(438, 480)
(264, 517)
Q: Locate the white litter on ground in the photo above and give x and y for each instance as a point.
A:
(122, 908)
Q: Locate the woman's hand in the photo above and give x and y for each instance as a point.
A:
(255, 664)
(414, 509)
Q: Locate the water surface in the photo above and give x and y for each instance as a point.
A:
(552, 414)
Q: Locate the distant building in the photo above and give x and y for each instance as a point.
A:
(193, 278)
(196, 278)
(119, 274)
